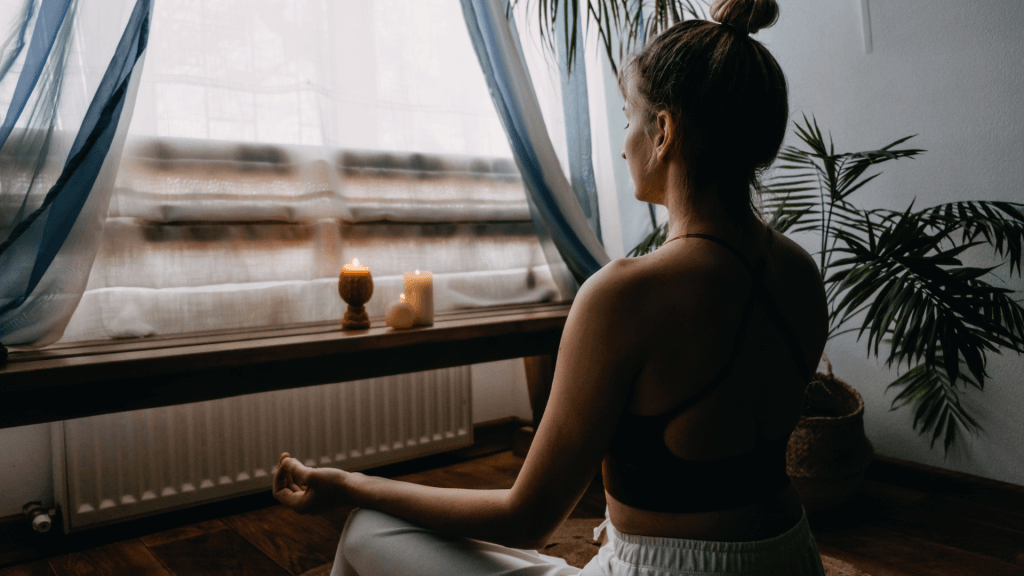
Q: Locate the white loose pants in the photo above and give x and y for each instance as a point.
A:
(373, 543)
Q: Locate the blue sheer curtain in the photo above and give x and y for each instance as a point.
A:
(557, 213)
(576, 109)
(59, 155)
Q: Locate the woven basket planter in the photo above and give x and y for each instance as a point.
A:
(828, 451)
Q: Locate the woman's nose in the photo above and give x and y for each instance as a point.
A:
(623, 155)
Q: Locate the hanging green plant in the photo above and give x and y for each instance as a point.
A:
(622, 25)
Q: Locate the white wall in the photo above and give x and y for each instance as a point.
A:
(25, 471)
(953, 73)
(499, 391)
(26, 474)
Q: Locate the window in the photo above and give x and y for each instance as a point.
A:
(272, 142)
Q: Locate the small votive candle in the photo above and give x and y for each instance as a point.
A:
(419, 289)
(400, 314)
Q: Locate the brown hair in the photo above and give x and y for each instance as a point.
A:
(724, 88)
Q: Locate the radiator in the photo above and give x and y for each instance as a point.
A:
(120, 466)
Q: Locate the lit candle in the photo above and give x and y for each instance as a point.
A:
(355, 285)
(419, 286)
(400, 314)
(354, 268)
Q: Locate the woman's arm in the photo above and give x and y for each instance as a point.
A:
(599, 356)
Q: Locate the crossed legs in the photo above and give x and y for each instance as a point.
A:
(375, 543)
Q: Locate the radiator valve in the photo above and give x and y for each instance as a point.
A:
(39, 516)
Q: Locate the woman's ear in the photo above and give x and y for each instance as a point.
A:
(665, 135)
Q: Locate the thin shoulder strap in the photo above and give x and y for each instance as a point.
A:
(787, 333)
(724, 370)
(739, 255)
(772, 306)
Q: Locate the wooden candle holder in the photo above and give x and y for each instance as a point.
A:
(355, 290)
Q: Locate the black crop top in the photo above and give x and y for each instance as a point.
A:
(641, 472)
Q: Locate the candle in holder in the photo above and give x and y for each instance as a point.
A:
(419, 289)
(400, 314)
(355, 285)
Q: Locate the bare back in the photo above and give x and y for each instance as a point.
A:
(697, 292)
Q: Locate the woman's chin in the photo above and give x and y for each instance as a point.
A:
(648, 198)
(647, 194)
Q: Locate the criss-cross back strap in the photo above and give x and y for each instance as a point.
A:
(757, 287)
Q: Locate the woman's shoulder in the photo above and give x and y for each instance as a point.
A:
(787, 253)
(694, 274)
(795, 282)
(619, 281)
(648, 290)
(699, 270)
(693, 277)
(792, 268)
(626, 278)
(620, 291)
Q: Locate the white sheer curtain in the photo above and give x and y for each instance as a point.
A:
(272, 141)
(370, 74)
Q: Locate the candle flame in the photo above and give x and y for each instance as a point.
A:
(401, 297)
(417, 272)
(355, 261)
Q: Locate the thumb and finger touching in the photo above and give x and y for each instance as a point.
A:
(305, 489)
(290, 481)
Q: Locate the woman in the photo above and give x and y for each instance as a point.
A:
(683, 371)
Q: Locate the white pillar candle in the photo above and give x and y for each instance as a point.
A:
(419, 292)
(400, 314)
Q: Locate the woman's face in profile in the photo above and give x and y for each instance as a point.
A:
(637, 151)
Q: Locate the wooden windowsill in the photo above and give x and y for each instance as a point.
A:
(89, 378)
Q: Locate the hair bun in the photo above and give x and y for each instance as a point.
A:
(746, 15)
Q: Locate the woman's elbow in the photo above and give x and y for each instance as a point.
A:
(532, 528)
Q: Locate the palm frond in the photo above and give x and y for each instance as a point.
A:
(1000, 224)
(923, 300)
(938, 409)
(859, 162)
(619, 20)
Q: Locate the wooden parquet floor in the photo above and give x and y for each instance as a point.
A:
(908, 521)
(916, 520)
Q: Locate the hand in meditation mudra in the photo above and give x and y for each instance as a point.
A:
(308, 490)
